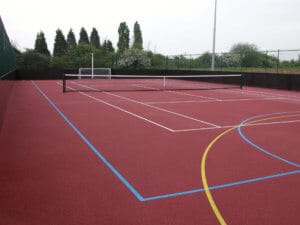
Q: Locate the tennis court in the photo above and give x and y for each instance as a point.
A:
(173, 156)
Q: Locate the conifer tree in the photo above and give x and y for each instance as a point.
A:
(137, 38)
(83, 38)
(108, 46)
(41, 44)
(71, 40)
(123, 42)
(95, 39)
(60, 44)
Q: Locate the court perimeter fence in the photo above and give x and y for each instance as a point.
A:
(268, 80)
(268, 61)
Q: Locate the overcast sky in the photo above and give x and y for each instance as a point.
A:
(168, 26)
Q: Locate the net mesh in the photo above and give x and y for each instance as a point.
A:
(71, 82)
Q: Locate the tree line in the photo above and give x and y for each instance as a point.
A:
(68, 53)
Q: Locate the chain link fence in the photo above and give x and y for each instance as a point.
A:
(270, 61)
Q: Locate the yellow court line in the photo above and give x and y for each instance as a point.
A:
(203, 164)
(271, 118)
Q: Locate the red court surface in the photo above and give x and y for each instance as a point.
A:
(145, 157)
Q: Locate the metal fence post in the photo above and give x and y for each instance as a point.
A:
(266, 61)
(277, 67)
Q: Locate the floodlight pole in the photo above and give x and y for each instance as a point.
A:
(214, 39)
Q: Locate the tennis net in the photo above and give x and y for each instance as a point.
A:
(86, 83)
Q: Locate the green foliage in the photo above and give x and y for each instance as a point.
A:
(123, 42)
(230, 60)
(243, 48)
(137, 37)
(83, 37)
(80, 56)
(41, 45)
(60, 62)
(204, 60)
(157, 60)
(134, 58)
(71, 40)
(249, 54)
(95, 39)
(108, 46)
(33, 60)
(60, 44)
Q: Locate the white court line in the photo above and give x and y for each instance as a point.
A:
(177, 131)
(203, 101)
(164, 110)
(198, 96)
(124, 110)
(272, 94)
(154, 107)
(230, 126)
(267, 94)
(75, 102)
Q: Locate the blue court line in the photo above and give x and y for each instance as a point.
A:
(222, 185)
(91, 146)
(260, 148)
(129, 186)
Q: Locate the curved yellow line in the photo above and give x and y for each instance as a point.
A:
(204, 179)
(203, 164)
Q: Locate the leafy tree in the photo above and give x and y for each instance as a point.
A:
(31, 59)
(204, 60)
(60, 44)
(157, 60)
(123, 42)
(249, 54)
(83, 38)
(108, 46)
(231, 59)
(137, 38)
(83, 55)
(61, 62)
(134, 58)
(41, 45)
(71, 40)
(95, 39)
(243, 48)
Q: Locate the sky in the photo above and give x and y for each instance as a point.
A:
(169, 27)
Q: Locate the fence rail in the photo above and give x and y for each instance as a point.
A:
(269, 61)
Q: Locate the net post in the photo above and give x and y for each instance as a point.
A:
(64, 84)
(242, 81)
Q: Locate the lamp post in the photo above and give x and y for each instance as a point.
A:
(214, 39)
